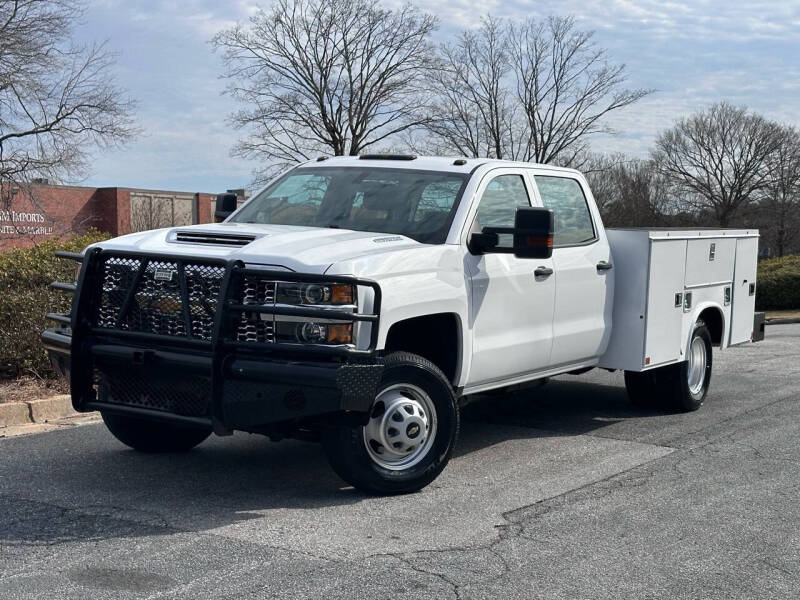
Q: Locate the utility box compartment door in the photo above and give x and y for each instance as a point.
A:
(663, 337)
(744, 290)
(710, 261)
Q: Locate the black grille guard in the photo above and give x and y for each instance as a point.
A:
(219, 351)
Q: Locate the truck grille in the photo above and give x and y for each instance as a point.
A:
(254, 327)
(157, 305)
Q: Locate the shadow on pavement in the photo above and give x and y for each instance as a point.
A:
(565, 406)
(561, 407)
(87, 486)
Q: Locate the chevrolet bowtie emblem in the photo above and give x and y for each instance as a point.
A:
(166, 305)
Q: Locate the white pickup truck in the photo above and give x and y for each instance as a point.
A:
(361, 301)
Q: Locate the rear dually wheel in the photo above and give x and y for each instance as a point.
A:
(683, 386)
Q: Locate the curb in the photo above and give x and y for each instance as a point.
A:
(782, 320)
(36, 411)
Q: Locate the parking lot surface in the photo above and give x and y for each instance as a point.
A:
(561, 491)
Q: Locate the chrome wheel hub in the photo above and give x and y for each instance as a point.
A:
(698, 361)
(401, 427)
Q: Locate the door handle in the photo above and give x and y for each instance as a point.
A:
(543, 272)
(604, 266)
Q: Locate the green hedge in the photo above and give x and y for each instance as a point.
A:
(25, 297)
(779, 283)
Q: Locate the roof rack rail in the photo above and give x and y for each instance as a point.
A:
(387, 156)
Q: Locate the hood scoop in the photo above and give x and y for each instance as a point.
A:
(211, 238)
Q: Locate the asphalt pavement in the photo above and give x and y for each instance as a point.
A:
(562, 491)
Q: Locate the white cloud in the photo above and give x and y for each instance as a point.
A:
(694, 52)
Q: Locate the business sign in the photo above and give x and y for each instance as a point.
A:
(24, 223)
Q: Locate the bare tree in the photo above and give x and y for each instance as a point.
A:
(718, 159)
(57, 99)
(629, 192)
(780, 206)
(151, 213)
(473, 114)
(536, 91)
(566, 85)
(326, 76)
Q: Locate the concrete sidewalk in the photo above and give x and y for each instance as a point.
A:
(36, 412)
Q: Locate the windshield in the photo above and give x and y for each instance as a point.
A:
(417, 204)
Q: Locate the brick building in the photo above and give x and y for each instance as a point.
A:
(34, 213)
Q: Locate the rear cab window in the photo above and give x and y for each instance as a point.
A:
(572, 218)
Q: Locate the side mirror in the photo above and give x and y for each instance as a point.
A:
(226, 204)
(483, 242)
(533, 232)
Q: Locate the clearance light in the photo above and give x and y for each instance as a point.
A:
(342, 294)
(340, 333)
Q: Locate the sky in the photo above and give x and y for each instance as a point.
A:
(692, 53)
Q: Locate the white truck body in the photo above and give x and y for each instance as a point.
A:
(360, 299)
(514, 327)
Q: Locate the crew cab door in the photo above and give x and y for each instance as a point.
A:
(584, 276)
(511, 308)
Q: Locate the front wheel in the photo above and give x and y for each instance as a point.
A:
(409, 437)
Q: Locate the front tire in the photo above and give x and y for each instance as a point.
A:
(410, 435)
(153, 437)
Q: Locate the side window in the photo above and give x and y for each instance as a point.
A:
(571, 217)
(500, 200)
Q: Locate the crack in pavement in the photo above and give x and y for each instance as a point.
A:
(161, 523)
(673, 442)
(514, 528)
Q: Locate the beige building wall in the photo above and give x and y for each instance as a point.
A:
(151, 210)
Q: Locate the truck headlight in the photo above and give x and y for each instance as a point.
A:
(312, 332)
(315, 294)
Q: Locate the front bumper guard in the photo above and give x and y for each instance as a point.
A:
(248, 385)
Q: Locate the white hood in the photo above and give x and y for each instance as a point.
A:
(304, 249)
